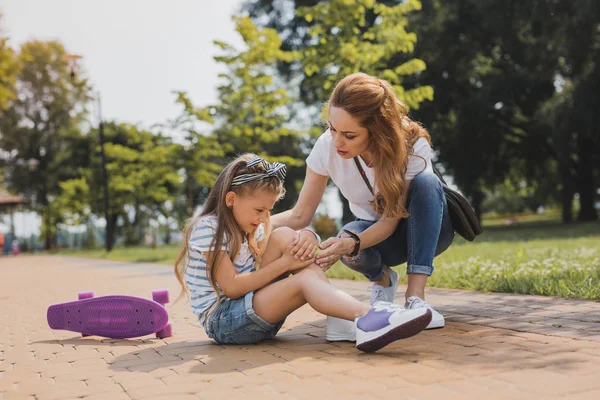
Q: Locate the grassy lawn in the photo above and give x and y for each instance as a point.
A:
(536, 256)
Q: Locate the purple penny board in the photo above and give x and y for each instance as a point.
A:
(116, 317)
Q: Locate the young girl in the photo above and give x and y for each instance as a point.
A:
(238, 303)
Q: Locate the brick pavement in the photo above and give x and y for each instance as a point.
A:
(495, 346)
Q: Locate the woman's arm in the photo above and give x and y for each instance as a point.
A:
(383, 228)
(335, 248)
(300, 216)
(377, 233)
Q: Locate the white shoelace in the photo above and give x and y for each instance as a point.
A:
(379, 294)
(384, 305)
(417, 302)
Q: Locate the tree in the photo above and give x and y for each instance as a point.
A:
(514, 82)
(571, 113)
(491, 69)
(143, 176)
(9, 70)
(361, 36)
(38, 125)
(251, 115)
(340, 37)
(198, 159)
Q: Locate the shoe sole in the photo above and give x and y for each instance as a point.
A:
(435, 326)
(403, 331)
(340, 339)
(436, 323)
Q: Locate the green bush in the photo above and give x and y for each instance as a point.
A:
(325, 226)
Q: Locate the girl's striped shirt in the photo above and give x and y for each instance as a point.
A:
(202, 293)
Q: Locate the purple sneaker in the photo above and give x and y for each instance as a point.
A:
(387, 322)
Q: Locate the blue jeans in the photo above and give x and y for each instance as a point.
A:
(426, 233)
(236, 322)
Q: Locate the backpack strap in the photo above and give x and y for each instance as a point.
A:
(364, 175)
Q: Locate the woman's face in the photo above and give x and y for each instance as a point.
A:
(349, 138)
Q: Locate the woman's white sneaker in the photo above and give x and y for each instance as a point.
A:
(340, 330)
(386, 323)
(437, 319)
(381, 293)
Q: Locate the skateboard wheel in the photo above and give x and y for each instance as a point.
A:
(165, 332)
(85, 295)
(161, 296)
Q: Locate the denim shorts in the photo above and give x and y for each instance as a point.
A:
(236, 322)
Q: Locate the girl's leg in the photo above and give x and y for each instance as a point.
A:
(279, 238)
(376, 327)
(276, 301)
(279, 299)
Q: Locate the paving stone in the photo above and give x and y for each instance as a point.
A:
(495, 346)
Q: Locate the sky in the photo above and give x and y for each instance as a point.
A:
(135, 53)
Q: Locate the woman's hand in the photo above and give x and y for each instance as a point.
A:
(304, 245)
(332, 250)
(292, 263)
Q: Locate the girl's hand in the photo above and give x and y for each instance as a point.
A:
(304, 246)
(332, 250)
(292, 263)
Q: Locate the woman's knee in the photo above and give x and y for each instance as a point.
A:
(426, 182)
(355, 227)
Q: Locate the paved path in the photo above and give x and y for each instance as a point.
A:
(495, 346)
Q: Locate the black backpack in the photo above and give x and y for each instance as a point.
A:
(463, 217)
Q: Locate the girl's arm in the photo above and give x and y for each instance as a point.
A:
(236, 285)
(300, 216)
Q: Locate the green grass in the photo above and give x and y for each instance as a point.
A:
(533, 257)
(500, 221)
(160, 255)
(545, 258)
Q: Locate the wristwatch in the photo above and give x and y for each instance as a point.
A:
(356, 239)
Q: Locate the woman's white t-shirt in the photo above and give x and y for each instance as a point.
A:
(324, 160)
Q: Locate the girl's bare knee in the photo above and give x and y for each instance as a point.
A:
(283, 235)
(312, 272)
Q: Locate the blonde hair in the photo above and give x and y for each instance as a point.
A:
(227, 227)
(392, 134)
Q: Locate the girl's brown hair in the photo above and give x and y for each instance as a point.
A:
(392, 134)
(227, 227)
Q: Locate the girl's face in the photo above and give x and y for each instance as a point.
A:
(251, 209)
(349, 138)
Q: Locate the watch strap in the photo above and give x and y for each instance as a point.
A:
(356, 242)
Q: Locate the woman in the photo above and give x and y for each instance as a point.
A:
(405, 220)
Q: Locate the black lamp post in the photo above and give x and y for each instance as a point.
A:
(108, 238)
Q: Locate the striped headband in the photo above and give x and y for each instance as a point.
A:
(276, 169)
